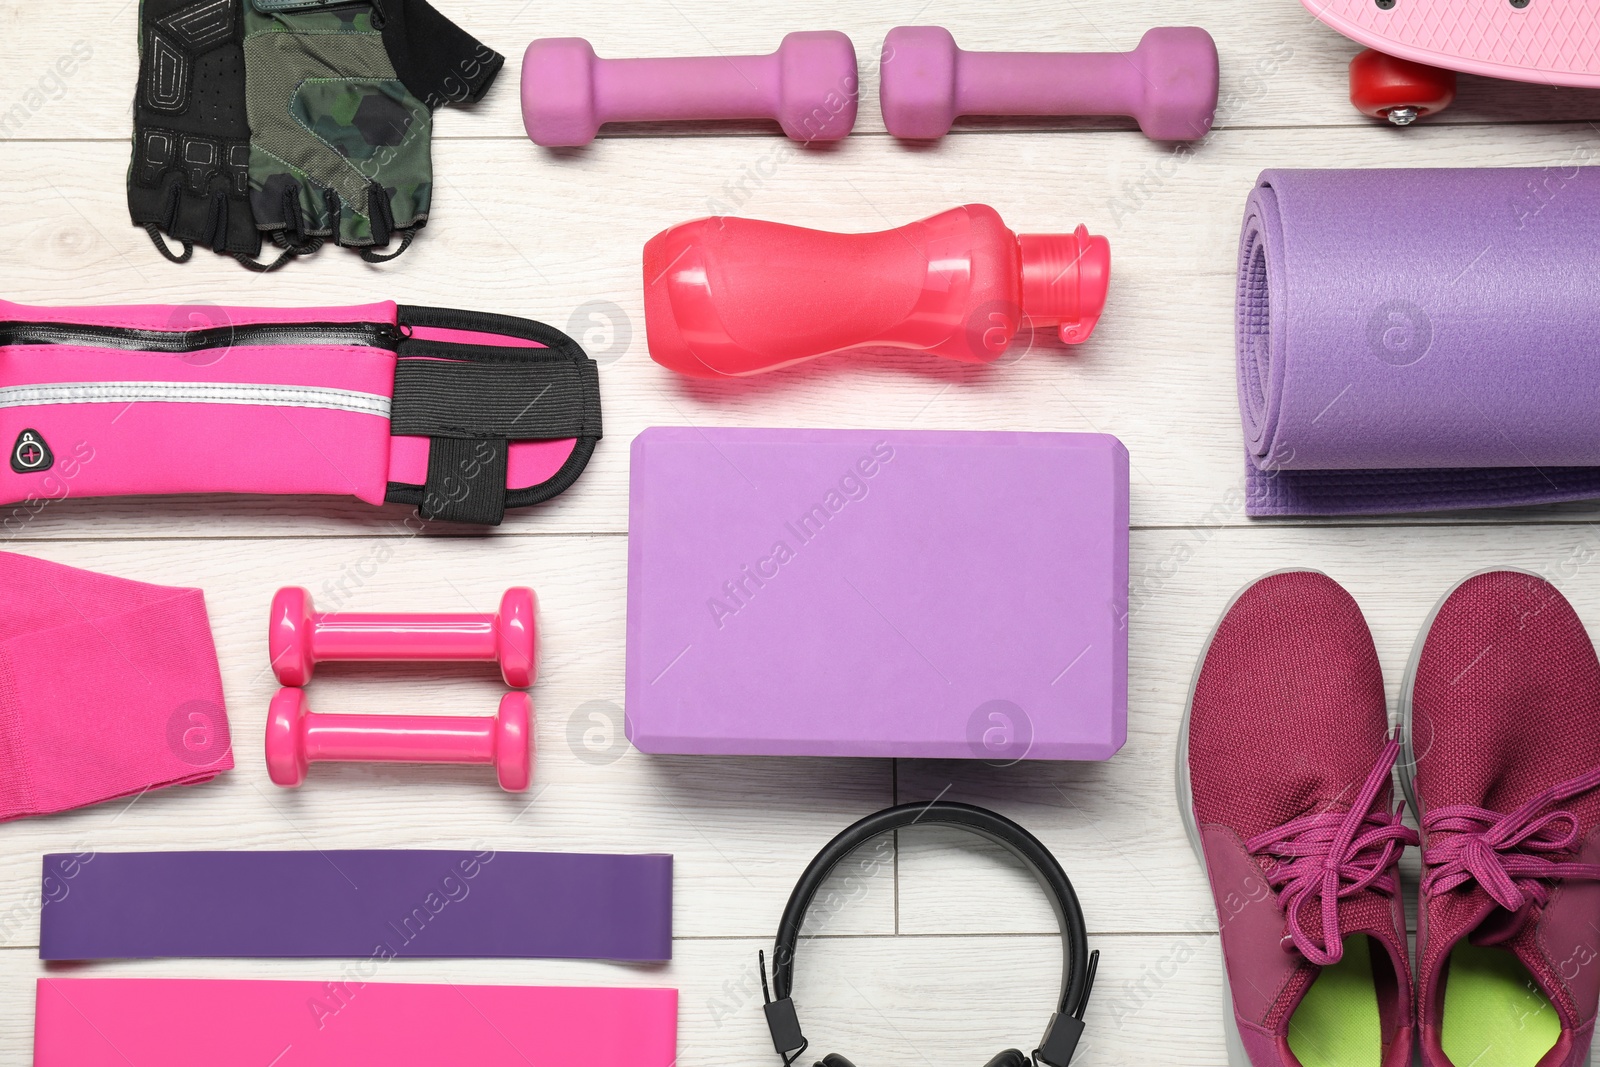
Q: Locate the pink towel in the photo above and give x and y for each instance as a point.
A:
(107, 688)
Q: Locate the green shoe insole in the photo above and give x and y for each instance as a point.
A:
(1337, 1024)
(1494, 1014)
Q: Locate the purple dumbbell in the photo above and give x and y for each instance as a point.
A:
(809, 85)
(1168, 83)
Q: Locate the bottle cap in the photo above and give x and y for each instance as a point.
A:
(1064, 279)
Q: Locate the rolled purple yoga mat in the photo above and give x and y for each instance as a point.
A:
(1411, 340)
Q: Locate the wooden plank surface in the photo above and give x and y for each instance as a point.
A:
(560, 240)
(946, 956)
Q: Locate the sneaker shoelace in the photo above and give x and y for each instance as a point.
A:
(1512, 856)
(1328, 855)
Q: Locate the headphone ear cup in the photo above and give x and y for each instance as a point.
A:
(833, 1059)
(1009, 1058)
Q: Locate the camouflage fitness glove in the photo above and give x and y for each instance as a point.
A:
(340, 98)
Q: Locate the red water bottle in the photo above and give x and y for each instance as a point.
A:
(728, 297)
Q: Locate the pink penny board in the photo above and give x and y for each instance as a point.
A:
(1556, 42)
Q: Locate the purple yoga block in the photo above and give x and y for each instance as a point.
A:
(942, 594)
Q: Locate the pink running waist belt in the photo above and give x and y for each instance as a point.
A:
(112, 1022)
(461, 414)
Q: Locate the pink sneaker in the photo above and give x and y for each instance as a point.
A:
(1501, 707)
(1284, 779)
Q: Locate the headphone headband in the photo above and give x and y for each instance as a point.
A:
(1078, 967)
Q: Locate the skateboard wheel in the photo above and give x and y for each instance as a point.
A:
(1387, 87)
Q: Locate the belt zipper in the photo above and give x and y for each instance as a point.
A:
(355, 334)
(358, 334)
(254, 395)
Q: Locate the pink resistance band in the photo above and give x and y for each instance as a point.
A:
(114, 1022)
(108, 687)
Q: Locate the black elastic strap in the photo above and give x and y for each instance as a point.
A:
(466, 481)
(520, 396)
(449, 391)
(161, 244)
(1078, 964)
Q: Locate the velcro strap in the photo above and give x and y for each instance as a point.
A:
(466, 481)
(531, 399)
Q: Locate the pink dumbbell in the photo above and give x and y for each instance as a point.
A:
(299, 637)
(809, 85)
(1168, 83)
(298, 737)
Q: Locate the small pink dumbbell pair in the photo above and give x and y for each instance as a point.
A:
(299, 638)
(809, 85)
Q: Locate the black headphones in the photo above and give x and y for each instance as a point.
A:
(1061, 1036)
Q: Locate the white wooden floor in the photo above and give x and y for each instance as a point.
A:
(949, 955)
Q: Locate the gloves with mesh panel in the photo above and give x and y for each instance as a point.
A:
(340, 97)
(190, 174)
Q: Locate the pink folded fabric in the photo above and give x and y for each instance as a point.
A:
(108, 687)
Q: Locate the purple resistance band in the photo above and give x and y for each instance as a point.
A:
(357, 904)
